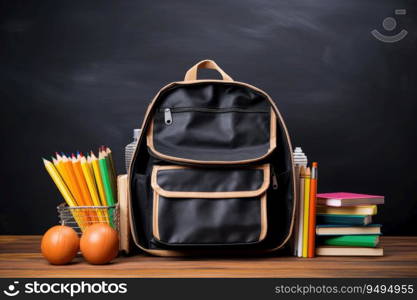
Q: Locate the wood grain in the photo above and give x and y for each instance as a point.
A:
(20, 257)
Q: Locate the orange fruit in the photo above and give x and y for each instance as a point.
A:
(60, 244)
(99, 244)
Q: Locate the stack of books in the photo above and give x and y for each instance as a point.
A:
(344, 225)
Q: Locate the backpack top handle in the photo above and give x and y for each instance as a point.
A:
(205, 64)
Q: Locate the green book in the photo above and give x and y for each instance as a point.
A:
(343, 219)
(351, 240)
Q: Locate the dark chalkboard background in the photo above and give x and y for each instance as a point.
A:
(78, 74)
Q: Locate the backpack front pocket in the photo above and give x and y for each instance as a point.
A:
(202, 135)
(209, 207)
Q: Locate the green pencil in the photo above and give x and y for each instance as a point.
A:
(111, 168)
(104, 171)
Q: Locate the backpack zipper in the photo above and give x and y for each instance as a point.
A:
(168, 116)
(169, 111)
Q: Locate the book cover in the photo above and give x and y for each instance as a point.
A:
(348, 199)
(333, 229)
(348, 210)
(348, 251)
(351, 240)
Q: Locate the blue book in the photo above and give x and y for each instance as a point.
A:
(359, 220)
(335, 229)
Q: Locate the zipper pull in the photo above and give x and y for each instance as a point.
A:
(168, 116)
(274, 179)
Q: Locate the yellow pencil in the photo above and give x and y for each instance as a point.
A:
(63, 189)
(92, 187)
(100, 186)
(99, 180)
(61, 169)
(306, 210)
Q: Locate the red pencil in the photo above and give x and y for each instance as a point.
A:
(312, 212)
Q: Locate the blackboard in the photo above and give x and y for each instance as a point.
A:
(78, 74)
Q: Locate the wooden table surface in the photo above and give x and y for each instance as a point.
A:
(20, 257)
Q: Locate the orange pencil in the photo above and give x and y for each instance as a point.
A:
(90, 214)
(81, 180)
(312, 212)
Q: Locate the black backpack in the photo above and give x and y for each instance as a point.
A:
(212, 172)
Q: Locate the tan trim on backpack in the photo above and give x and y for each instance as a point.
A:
(191, 74)
(155, 213)
(264, 223)
(193, 194)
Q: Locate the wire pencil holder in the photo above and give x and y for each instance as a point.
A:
(80, 217)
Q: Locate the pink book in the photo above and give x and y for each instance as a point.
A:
(348, 199)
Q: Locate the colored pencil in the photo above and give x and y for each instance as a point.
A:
(112, 170)
(300, 226)
(61, 168)
(64, 167)
(72, 181)
(95, 171)
(89, 215)
(63, 189)
(306, 211)
(105, 176)
(312, 212)
(99, 180)
(81, 181)
(91, 184)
